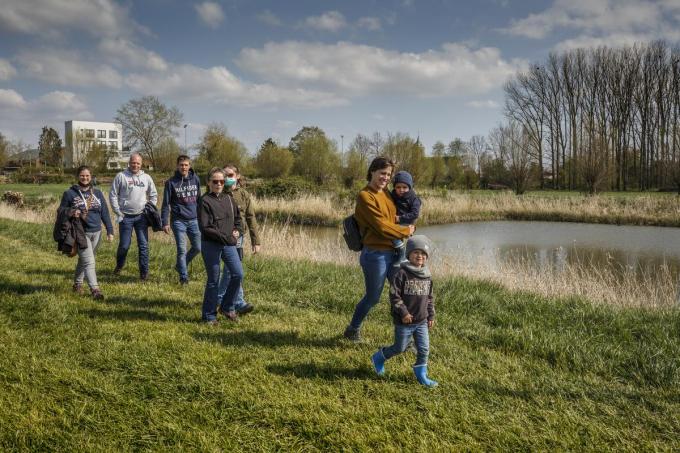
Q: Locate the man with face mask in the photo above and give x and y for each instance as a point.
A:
(179, 214)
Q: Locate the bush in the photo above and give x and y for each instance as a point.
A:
(289, 187)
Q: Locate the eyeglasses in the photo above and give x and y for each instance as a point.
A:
(218, 181)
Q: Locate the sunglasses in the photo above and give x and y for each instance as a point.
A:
(218, 181)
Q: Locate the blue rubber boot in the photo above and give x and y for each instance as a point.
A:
(378, 360)
(421, 374)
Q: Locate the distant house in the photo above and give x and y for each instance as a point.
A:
(27, 158)
(81, 136)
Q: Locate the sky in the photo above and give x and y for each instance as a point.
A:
(431, 69)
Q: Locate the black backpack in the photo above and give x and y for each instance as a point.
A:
(351, 234)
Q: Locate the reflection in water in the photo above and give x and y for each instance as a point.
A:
(620, 250)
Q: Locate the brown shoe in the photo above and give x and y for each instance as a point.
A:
(117, 270)
(78, 288)
(97, 294)
(230, 315)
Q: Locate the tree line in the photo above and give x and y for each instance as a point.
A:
(604, 118)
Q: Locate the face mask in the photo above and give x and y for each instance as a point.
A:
(229, 182)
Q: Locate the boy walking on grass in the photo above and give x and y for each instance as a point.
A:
(412, 305)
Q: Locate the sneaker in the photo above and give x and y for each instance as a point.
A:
(144, 277)
(352, 335)
(78, 288)
(97, 294)
(230, 315)
(211, 322)
(245, 309)
(183, 281)
(117, 270)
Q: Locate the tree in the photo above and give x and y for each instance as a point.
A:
(317, 157)
(50, 146)
(456, 147)
(409, 155)
(512, 144)
(439, 168)
(303, 135)
(97, 156)
(272, 160)
(4, 150)
(167, 152)
(217, 148)
(146, 123)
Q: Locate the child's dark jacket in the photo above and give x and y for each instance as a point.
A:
(408, 207)
(412, 294)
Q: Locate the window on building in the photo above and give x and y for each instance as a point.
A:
(101, 143)
(113, 145)
(101, 134)
(113, 134)
(89, 133)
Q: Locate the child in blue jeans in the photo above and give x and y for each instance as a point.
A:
(408, 208)
(412, 309)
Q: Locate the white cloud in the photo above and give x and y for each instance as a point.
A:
(211, 13)
(601, 18)
(486, 104)
(369, 23)
(219, 85)
(51, 18)
(270, 18)
(60, 101)
(352, 69)
(65, 67)
(7, 71)
(11, 99)
(126, 53)
(332, 21)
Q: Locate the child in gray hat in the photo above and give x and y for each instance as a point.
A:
(412, 305)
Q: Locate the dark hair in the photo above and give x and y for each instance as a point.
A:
(81, 168)
(379, 163)
(241, 179)
(182, 158)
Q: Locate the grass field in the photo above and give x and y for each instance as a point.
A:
(137, 371)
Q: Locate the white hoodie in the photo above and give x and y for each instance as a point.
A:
(129, 193)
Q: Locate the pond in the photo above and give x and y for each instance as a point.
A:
(556, 245)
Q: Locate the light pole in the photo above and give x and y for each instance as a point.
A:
(342, 144)
(185, 139)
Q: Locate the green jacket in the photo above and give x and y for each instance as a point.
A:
(245, 206)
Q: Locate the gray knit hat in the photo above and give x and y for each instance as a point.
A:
(419, 242)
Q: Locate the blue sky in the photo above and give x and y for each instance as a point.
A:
(266, 68)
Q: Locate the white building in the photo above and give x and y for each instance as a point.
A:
(82, 135)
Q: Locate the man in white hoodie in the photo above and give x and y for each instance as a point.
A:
(130, 191)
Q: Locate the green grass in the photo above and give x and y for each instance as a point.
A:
(138, 371)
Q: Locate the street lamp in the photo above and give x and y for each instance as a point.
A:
(185, 139)
(342, 144)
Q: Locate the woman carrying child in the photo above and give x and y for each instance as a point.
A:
(375, 213)
(88, 204)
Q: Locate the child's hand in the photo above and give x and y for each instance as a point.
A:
(396, 219)
(430, 324)
(235, 233)
(407, 319)
(411, 229)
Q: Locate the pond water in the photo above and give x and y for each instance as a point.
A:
(494, 245)
(620, 249)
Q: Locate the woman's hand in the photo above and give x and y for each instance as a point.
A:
(407, 319)
(236, 234)
(256, 249)
(109, 237)
(411, 230)
(430, 324)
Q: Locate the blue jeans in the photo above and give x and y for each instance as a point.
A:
(141, 227)
(377, 266)
(402, 335)
(213, 253)
(180, 228)
(226, 276)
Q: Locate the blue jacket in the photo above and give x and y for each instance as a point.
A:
(95, 206)
(180, 196)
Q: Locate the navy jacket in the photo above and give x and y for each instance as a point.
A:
(94, 205)
(408, 207)
(180, 197)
